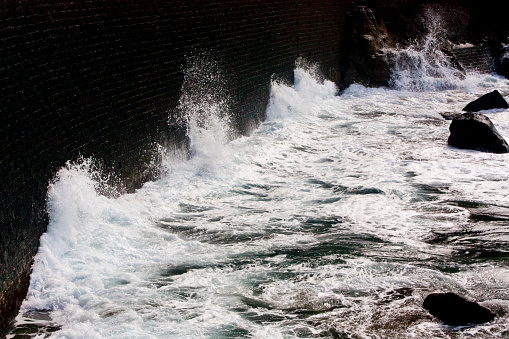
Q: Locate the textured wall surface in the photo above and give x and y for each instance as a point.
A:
(101, 77)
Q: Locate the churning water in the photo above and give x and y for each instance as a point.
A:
(335, 218)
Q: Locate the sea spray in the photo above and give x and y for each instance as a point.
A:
(73, 205)
(297, 99)
(205, 104)
(426, 65)
(204, 111)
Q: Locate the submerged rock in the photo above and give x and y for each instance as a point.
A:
(476, 131)
(454, 310)
(488, 101)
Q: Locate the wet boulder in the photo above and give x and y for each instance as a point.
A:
(454, 310)
(488, 101)
(476, 131)
(365, 61)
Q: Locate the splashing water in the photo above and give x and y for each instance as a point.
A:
(291, 101)
(335, 218)
(426, 65)
(205, 105)
(204, 110)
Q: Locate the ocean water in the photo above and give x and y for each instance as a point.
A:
(334, 218)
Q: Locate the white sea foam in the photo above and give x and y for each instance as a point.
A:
(336, 217)
(426, 65)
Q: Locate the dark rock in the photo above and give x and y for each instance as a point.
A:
(366, 62)
(476, 131)
(488, 101)
(501, 56)
(503, 65)
(449, 115)
(454, 310)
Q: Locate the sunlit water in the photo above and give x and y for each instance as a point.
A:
(335, 218)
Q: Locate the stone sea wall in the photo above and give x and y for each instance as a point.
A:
(102, 78)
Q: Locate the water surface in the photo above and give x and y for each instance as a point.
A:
(335, 218)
